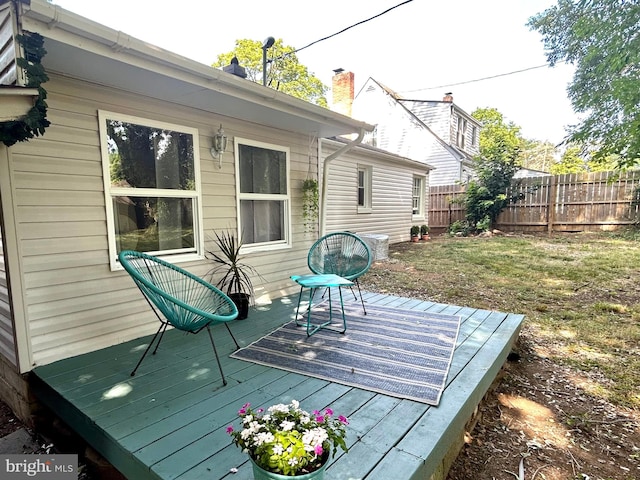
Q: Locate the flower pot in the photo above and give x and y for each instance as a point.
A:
(242, 303)
(415, 238)
(426, 237)
(261, 474)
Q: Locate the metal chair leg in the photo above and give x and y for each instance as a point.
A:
(215, 350)
(234, 338)
(360, 293)
(163, 326)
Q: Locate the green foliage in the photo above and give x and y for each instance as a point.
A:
(459, 228)
(486, 195)
(538, 155)
(228, 262)
(310, 205)
(599, 37)
(35, 121)
(284, 72)
(574, 160)
(415, 230)
(424, 229)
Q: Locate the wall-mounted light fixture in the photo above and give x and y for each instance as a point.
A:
(219, 145)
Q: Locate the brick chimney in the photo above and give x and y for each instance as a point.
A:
(448, 97)
(342, 91)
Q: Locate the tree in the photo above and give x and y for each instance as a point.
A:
(284, 72)
(573, 160)
(499, 159)
(538, 155)
(599, 37)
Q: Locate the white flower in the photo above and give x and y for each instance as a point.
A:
(287, 426)
(264, 437)
(278, 449)
(315, 436)
(296, 404)
(247, 419)
(293, 461)
(281, 407)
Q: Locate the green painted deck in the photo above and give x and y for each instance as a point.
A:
(169, 421)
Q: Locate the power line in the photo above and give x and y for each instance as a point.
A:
(343, 30)
(479, 79)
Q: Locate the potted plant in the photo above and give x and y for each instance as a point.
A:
(287, 442)
(415, 233)
(236, 280)
(424, 232)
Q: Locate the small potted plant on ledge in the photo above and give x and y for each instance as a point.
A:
(415, 233)
(286, 442)
(236, 280)
(424, 232)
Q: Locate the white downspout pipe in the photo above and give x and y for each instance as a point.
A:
(325, 175)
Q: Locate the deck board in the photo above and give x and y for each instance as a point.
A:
(169, 421)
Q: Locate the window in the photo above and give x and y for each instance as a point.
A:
(474, 136)
(364, 188)
(462, 132)
(152, 187)
(417, 196)
(263, 194)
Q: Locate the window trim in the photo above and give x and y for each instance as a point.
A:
(264, 246)
(368, 185)
(422, 197)
(111, 192)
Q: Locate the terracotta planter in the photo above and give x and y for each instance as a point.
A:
(426, 237)
(260, 474)
(415, 239)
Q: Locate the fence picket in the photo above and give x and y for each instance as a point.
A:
(570, 202)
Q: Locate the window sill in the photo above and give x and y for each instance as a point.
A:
(264, 248)
(365, 210)
(175, 259)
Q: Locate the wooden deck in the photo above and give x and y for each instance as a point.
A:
(169, 421)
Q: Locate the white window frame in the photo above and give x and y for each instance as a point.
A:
(462, 132)
(286, 198)
(111, 192)
(418, 192)
(367, 176)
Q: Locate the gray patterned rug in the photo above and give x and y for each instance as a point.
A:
(402, 353)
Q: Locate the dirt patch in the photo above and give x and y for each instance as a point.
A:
(540, 423)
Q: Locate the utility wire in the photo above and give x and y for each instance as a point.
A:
(343, 30)
(479, 79)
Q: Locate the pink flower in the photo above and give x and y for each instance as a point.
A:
(316, 412)
(319, 419)
(229, 429)
(343, 419)
(328, 411)
(318, 450)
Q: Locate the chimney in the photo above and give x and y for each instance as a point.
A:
(234, 68)
(342, 91)
(448, 97)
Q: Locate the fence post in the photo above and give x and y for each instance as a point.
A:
(551, 204)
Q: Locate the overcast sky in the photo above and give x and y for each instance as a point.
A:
(420, 49)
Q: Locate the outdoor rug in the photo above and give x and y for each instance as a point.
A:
(402, 353)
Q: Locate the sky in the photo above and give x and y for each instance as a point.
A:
(421, 49)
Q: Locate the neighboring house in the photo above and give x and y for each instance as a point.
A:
(438, 133)
(127, 163)
(371, 191)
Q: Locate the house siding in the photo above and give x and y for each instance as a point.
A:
(391, 195)
(74, 302)
(7, 337)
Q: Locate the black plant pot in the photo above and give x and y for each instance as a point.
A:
(242, 303)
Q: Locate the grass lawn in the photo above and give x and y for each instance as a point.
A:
(568, 405)
(579, 293)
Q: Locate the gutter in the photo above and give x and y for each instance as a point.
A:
(325, 175)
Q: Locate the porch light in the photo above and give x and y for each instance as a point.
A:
(219, 145)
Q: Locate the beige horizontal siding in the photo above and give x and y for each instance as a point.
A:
(75, 303)
(7, 339)
(391, 196)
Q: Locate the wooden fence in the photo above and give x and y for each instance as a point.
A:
(568, 203)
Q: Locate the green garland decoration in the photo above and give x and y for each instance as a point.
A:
(35, 121)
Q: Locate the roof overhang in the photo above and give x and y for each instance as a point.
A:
(80, 48)
(364, 149)
(16, 102)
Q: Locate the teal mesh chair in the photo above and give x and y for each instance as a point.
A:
(185, 301)
(341, 253)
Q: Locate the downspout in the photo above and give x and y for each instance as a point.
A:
(325, 175)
